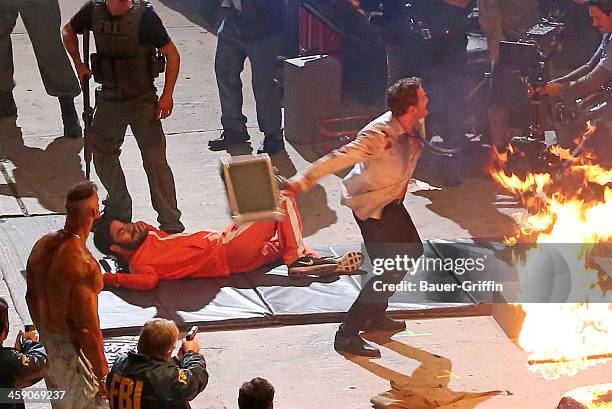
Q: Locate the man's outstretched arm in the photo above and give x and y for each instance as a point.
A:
(583, 81)
(134, 280)
(367, 146)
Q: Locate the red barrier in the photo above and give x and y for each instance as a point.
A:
(316, 37)
(339, 131)
(345, 127)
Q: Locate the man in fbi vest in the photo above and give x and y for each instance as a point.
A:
(150, 378)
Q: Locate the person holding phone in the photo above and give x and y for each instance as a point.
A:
(151, 378)
(22, 365)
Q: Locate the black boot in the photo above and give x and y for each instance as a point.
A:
(72, 127)
(7, 105)
(272, 144)
(355, 345)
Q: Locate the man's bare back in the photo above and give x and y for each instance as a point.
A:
(64, 280)
(58, 260)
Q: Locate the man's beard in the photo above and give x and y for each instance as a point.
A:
(133, 245)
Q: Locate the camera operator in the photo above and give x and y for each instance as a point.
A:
(589, 78)
(505, 20)
(23, 365)
(590, 83)
(150, 378)
(580, 38)
(428, 39)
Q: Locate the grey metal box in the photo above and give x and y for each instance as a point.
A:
(312, 91)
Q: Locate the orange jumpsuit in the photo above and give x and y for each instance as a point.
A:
(240, 248)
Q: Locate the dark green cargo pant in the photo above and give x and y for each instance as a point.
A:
(110, 122)
(42, 21)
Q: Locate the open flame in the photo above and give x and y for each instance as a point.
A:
(573, 205)
(357, 5)
(591, 397)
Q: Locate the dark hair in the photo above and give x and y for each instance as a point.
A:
(603, 5)
(81, 191)
(77, 193)
(157, 337)
(4, 320)
(403, 94)
(256, 394)
(101, 236)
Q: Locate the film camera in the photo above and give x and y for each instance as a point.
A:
(530, 55)
(529, 59)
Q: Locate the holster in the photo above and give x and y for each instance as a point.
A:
(158, 64)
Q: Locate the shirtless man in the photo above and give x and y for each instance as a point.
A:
(64, 280)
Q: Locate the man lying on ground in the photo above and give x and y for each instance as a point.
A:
(154, 255)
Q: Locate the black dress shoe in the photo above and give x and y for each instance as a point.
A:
(355, 345)
(386, 324)
(272, 145)
(227, 140)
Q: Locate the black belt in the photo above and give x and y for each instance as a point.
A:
(431, 33)
(427, 33)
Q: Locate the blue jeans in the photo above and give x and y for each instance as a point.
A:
(229, 64)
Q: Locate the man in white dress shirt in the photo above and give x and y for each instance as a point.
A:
(383, 158)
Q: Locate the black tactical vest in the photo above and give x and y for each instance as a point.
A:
(125, 68)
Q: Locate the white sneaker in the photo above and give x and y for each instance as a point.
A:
(349, 262)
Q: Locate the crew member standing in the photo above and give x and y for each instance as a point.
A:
(23, 365)
(253, 29)
(42, 20)
(589, 79)
(128, 35)
(383, 158)
(428, 39)
(506, 20)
